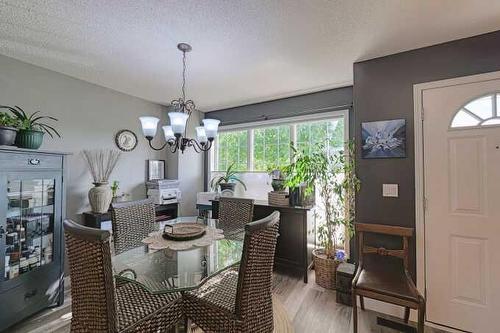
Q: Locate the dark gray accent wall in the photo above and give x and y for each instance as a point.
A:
(328, 100)
(383, 89)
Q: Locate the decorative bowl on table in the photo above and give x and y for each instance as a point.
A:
(183, 231)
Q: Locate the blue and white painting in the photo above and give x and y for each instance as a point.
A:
(384, 139)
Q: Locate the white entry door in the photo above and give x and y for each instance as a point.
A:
(462, 217)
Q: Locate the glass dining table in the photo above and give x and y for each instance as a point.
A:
(167, 270)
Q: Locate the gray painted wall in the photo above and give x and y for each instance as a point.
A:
(383, 89)
(89, 116)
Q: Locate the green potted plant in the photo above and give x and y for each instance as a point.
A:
(31, 128)
(227, 181)
(333, 175)
(278, 177)
(300, 178)
(8, 129)
(115, 186)
(278, 196)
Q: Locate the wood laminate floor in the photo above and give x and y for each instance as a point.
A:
(311, 308)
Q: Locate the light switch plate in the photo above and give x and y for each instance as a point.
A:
(390, 190)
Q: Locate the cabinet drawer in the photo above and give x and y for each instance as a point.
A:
(27, 161)
(39, 290)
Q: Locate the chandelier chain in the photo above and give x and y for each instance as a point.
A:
(184, 75)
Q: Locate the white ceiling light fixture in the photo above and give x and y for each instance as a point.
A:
(175, 133)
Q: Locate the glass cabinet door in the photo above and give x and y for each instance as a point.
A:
(29, 227)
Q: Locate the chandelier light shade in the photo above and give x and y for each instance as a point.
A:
(178, 121)
(211, 126)
(149, 126)
(175, 133)
(169, 133)
(201, 134)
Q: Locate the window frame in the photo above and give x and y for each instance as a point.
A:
(291, 121)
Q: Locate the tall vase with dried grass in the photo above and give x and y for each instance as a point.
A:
(101, 163)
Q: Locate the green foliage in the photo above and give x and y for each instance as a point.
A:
(271, 147)
(229, 176)
(228, 252)
(232, 148)
(8, 121)
(332, 173)
(33, 122)
(115, 186)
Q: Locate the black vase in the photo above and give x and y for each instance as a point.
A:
(7, 135)
(298, 197)
(227, 186)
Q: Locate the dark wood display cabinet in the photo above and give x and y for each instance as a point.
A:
(32, 207)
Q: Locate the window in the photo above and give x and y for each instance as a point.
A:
(260, 146)
(482, 111)
(232, 147)
(271, 147)
(257, 147)
(330, 132)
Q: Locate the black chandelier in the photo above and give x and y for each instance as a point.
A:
(175, 133)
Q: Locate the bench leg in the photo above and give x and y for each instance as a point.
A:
(354, 313)
(421, 316)
(407, 314)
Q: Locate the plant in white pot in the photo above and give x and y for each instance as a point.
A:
(227, 180)
(333, 174)
(101, 163)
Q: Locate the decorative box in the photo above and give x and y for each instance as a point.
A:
(345, 274)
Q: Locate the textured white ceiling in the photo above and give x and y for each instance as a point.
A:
(243, 51)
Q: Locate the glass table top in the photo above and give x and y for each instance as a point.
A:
(163, 271)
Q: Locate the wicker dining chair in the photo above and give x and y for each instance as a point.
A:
(132, 222)
(240, 299)
(234, 213)
(97, 304)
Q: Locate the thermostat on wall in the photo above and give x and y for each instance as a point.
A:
(390, 190)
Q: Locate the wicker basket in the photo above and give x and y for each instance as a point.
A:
(325, 269)
(278, 198)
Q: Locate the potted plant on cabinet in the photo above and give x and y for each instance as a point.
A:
(333, 174)
(31, 128)
(227, 181)
(278, 196)
(8, 129)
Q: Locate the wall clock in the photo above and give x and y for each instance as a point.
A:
(126, 140)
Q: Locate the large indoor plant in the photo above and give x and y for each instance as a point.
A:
(333, 175)
(31, 127)
(227, 180)
(101, 163)
(8, 129)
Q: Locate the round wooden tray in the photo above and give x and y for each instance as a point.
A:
(183, 231)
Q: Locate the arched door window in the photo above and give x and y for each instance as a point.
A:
(482, 111)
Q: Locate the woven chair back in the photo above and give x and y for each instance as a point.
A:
(132, 222)
(92, 290)
(254, 295)
(234, 213)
